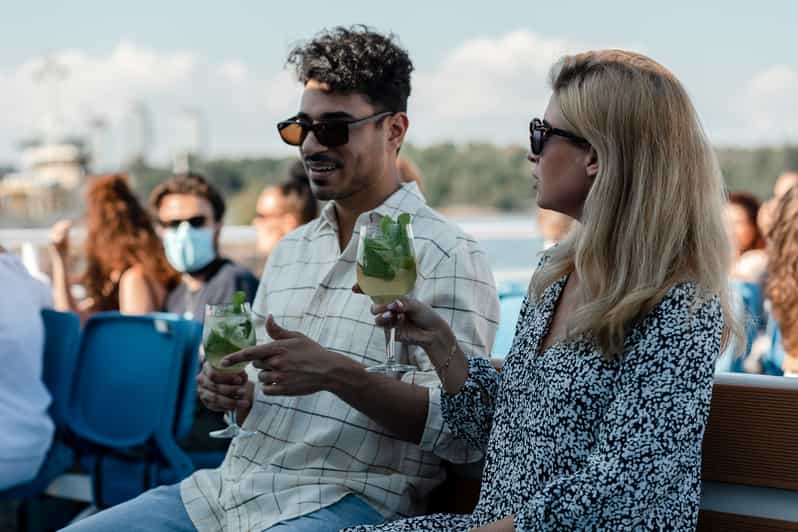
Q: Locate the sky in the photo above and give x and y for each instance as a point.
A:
(480, 67)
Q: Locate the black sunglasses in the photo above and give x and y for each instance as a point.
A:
(330, 133)
(540, 131)
(194, 221)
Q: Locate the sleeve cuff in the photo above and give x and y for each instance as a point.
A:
(475, 386)
(433, 427)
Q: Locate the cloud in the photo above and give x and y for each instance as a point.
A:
(770, 105)
(234, 71)
(237, 104)
(91, 86)
(486, 88)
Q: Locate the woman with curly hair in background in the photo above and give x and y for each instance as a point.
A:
(781, 288)
(126, 269)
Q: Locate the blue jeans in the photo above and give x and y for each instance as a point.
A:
(162, 509)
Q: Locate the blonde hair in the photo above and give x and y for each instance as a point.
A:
(654, 214)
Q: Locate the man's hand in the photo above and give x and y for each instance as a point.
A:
(221, 392)
(292, 364)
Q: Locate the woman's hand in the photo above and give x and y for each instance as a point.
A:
(59, 238)
(416, 323)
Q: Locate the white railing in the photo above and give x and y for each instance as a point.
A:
(490, 230)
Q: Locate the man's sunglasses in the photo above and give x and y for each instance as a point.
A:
(194, 221)
(540, 131)
(330, 133)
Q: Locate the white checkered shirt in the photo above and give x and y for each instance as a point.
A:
(311, 451)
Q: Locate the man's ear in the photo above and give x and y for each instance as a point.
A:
(396, 126)
(592, 168)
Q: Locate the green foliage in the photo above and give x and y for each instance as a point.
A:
(476, 174)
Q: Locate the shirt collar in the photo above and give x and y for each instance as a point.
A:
(407, 198)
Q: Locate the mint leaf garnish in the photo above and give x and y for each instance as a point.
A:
(377, 259)
(389, 251)
(229, 337)
(216, 343)
(403, 237)
(238, 300)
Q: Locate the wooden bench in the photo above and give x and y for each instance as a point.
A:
(750, 460)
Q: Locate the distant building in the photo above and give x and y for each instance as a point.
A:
(48, 182)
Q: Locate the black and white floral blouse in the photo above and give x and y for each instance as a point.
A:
(575, 442)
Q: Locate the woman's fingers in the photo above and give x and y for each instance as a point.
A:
(387, 319)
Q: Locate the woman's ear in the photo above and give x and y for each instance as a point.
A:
(592, 167)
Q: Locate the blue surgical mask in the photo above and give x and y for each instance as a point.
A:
(189, 249)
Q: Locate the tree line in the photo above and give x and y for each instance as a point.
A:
(474, 175)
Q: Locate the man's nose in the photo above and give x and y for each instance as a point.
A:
(311, 145)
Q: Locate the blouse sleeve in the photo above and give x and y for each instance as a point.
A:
(649, 441)
(469, 412)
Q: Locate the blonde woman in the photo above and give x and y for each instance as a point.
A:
(596, 421)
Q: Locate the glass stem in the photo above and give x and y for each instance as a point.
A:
(233, 422)
(391, 346)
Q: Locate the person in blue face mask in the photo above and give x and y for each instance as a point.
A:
(189, 211)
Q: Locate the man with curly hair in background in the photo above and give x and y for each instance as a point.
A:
(335, 445)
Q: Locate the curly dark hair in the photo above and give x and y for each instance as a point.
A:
(782, 282)
(119, 235)
(357, 59)
(191, 184)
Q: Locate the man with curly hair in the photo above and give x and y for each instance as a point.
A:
(335, 445)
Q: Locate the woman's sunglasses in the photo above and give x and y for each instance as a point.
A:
(540, 131)
(195, 222)
(330, 133)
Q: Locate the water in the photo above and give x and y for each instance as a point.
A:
(511, 241)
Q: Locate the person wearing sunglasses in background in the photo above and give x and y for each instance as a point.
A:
(597, 419)
(189, 213)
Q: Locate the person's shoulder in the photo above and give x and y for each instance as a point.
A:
(133, 275)
(431, 228)
(13, 272)
(298, 239)
(686, 303)
(303, 233)
(232, 269)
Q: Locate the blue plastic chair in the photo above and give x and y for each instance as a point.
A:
(773, 360)
(511, 298)
(126, 400)
(188, 400)
(748, 300)
(62, 337)
(188, 392)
